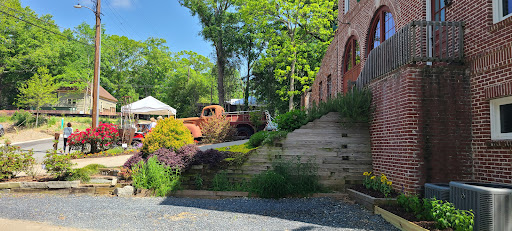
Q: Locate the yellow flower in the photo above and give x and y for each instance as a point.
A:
(389, 182)
(365, 174)
(373, 177)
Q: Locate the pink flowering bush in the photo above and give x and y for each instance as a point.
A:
(105, 136)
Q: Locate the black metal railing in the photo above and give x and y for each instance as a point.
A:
(418, 41)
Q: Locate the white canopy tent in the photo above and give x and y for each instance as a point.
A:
(149, 106)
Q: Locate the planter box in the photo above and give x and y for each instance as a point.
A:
(397, 221)
(367, 201)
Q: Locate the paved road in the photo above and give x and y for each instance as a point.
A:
(39, 147)
(114, 213)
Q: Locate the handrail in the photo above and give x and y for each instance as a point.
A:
(418, 41)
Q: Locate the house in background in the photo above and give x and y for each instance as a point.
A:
(440, 73)
(80, 102)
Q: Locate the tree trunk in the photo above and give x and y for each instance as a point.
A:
(37, 117)
(292, 81)
(221, 65)
(246, 94)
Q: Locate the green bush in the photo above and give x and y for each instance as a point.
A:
(257, 139)
(155, 176)
(356, 105)
(291, 120)
(266, 137)
(287, 179)
(13, 161)
(169, 133)
(221, 182)
(443, 213)
(56, 164)
(23, 118)
(84, 174)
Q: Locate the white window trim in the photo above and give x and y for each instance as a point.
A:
(495, 119)
(497, 9)
(347, 6)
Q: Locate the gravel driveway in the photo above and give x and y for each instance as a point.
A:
(113, 213)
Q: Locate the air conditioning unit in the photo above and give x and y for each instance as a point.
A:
(491, 203)
(440, 191)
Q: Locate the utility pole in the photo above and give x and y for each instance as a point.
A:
(97, 58)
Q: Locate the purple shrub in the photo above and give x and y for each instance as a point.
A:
(211, 157)
(187, 153)
(168, 158)
(136, 158)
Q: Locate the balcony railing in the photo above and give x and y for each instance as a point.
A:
(419, 41)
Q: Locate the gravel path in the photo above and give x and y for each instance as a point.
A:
(113, 213)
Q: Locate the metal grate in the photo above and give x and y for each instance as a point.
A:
(440, 191)
(491, 203)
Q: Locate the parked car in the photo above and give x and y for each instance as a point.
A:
(2, 131)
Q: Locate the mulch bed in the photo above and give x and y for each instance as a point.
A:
(373, 193)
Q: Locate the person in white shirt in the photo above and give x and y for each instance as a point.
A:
(153, 123)
(67, 132)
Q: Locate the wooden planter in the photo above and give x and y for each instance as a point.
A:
(397, 221)
(367, 201)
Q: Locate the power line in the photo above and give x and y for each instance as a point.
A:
(120, 19)
(45, 29)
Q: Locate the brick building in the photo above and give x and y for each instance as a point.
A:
(441, 76)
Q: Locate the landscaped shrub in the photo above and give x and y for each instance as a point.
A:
(156, 176)
(266, 137)
(210, 157)
(356, 105)
(23, 118)
(181, 159)
(84, 174)
(217, 129)
(169, 133)
(291, 120)
(104, 137)
(442, 212)
(287, 178)
(13, 160)
(56, 164)
(221, 182)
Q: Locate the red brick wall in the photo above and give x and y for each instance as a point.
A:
(421, 126)
(488, 52)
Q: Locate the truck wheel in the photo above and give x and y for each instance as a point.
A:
(244, 132)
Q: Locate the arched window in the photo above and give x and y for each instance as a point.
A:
(382, 28)
(352, 55)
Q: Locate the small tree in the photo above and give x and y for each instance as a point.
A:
(38, 91)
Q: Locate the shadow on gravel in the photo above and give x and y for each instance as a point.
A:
(316, 211)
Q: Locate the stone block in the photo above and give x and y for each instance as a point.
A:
(63, 184)
(9, 185)
(33, 185)
(5, 190)
(126, 191)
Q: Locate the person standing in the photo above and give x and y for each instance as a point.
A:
(67, 132)
(153, 123)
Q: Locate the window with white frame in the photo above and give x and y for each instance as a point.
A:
(501, 118)
(502, 9)
(347, 3)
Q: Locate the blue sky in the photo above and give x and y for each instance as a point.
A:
(135, 19)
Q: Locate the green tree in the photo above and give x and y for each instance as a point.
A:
(220, 22)
(294, 30)
(38, 91)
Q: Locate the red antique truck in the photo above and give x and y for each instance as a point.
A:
(240, 120)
